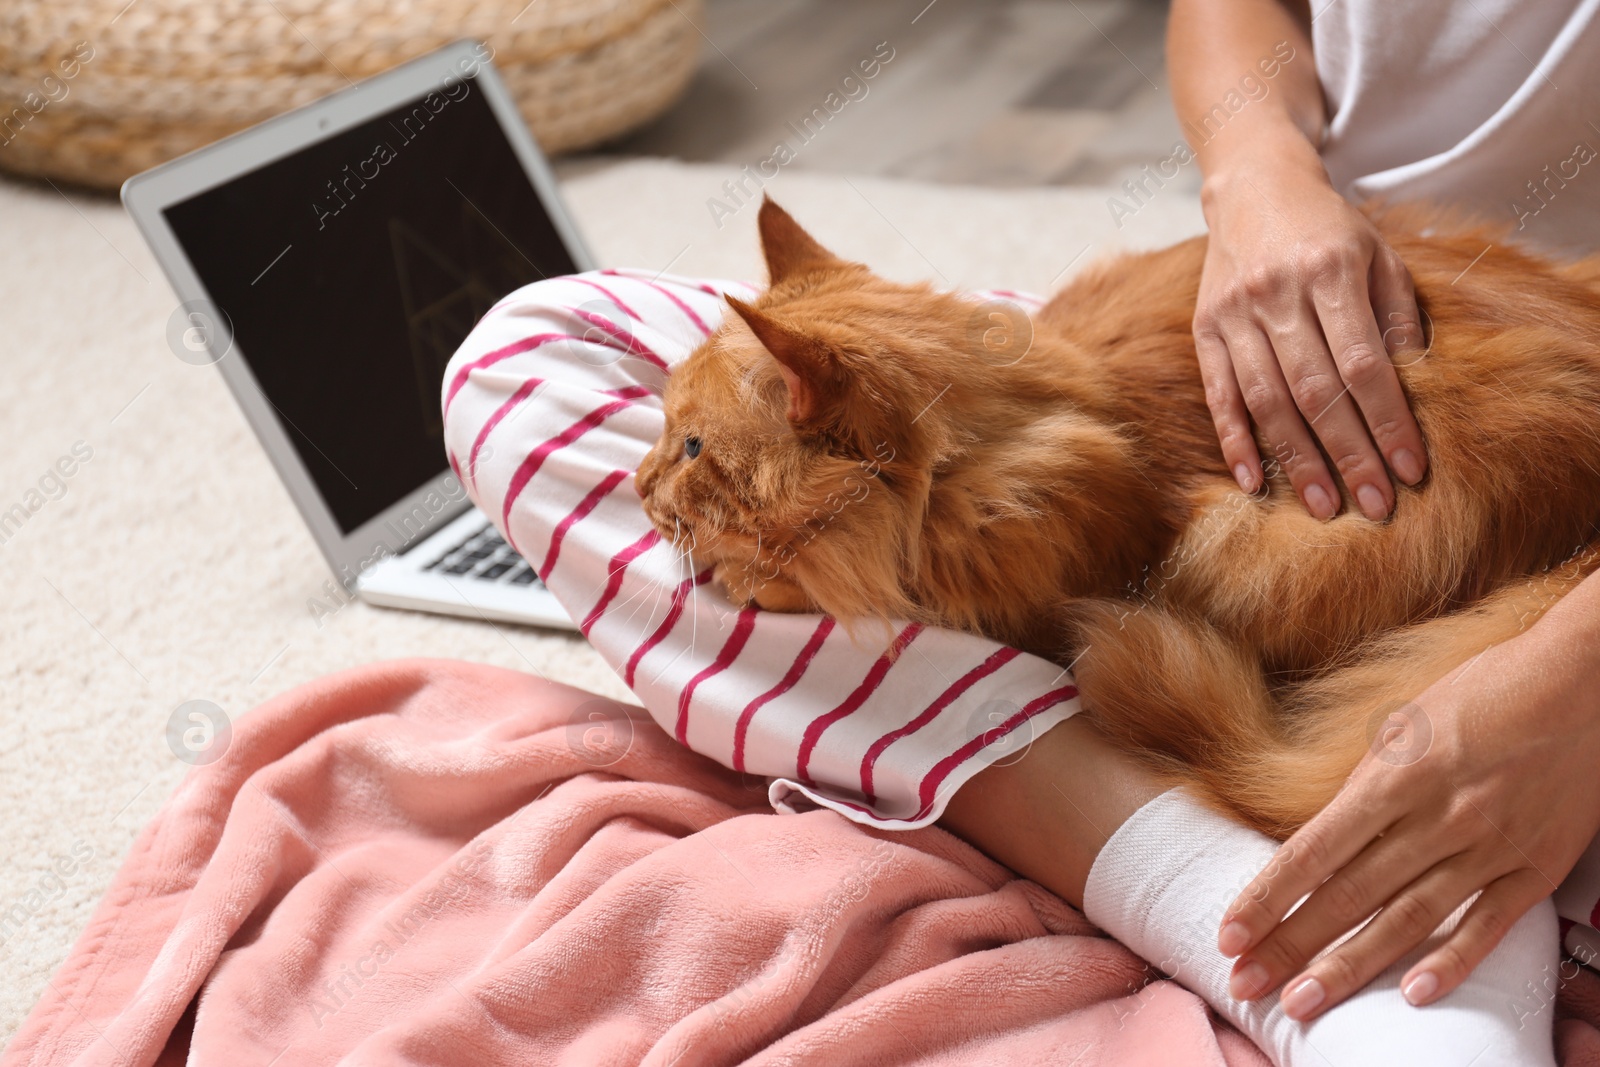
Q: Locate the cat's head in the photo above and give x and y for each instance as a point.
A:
(800, 439)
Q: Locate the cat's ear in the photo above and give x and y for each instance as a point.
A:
(809, 369)
(789, 249)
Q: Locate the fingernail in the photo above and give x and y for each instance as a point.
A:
(1248, 982)
(1406, 465)
(1421, 988)
(1303, 998)
(1234, 939)
(1373, 506)
(1246, 480)
(1318, 502)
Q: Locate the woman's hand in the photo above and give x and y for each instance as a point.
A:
(1486, 782)
(1302, 307)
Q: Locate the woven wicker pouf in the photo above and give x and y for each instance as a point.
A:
(92, 91)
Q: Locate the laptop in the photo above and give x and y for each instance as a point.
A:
(329, 262)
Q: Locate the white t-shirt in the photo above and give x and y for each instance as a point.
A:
(1492, 105)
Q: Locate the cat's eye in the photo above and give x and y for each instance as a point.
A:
(691, 447)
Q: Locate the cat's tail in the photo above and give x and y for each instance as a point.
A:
(1195, 706)
(1188, 701)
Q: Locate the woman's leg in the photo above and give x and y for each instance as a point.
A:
(1156, 870)
(549, 408)
(1048, 815)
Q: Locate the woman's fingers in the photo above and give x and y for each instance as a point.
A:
(1228, 412)
(1394, 305)
(1403, 924)
(1324, 400)
(1349, 313)
(1311, 341)
(1488, 919)
(1338, 834)
(1360, 888)
(1273, 407)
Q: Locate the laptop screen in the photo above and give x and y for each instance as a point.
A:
(352, 269)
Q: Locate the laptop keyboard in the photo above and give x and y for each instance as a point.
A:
(484, 555)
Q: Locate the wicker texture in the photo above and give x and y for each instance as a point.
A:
(168, 76)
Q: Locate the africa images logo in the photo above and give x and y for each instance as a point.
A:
(453, 89)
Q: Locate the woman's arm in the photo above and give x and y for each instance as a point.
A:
(1212, 43)
(1302, 304)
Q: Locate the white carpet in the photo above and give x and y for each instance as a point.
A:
(174, 566)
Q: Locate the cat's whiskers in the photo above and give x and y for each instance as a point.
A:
(656, 589)
(684, 566)
(694, 620)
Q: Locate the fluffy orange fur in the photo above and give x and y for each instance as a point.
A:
(868, 449)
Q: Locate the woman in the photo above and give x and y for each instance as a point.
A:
(1489, 106)
(552, 403)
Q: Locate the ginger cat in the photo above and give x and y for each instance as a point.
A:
(864, 448)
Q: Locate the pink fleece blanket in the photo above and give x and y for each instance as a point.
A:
(427, 862)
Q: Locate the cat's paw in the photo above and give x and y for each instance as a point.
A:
(780, 594)
(734, 581)
(775, 594)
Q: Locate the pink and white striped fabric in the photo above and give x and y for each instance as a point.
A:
(550, 405)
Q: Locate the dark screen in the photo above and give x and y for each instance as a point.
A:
(353, 269)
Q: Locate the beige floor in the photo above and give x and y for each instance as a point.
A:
(174, 566)
(980, 92)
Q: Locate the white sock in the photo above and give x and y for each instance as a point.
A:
(1161, 884)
